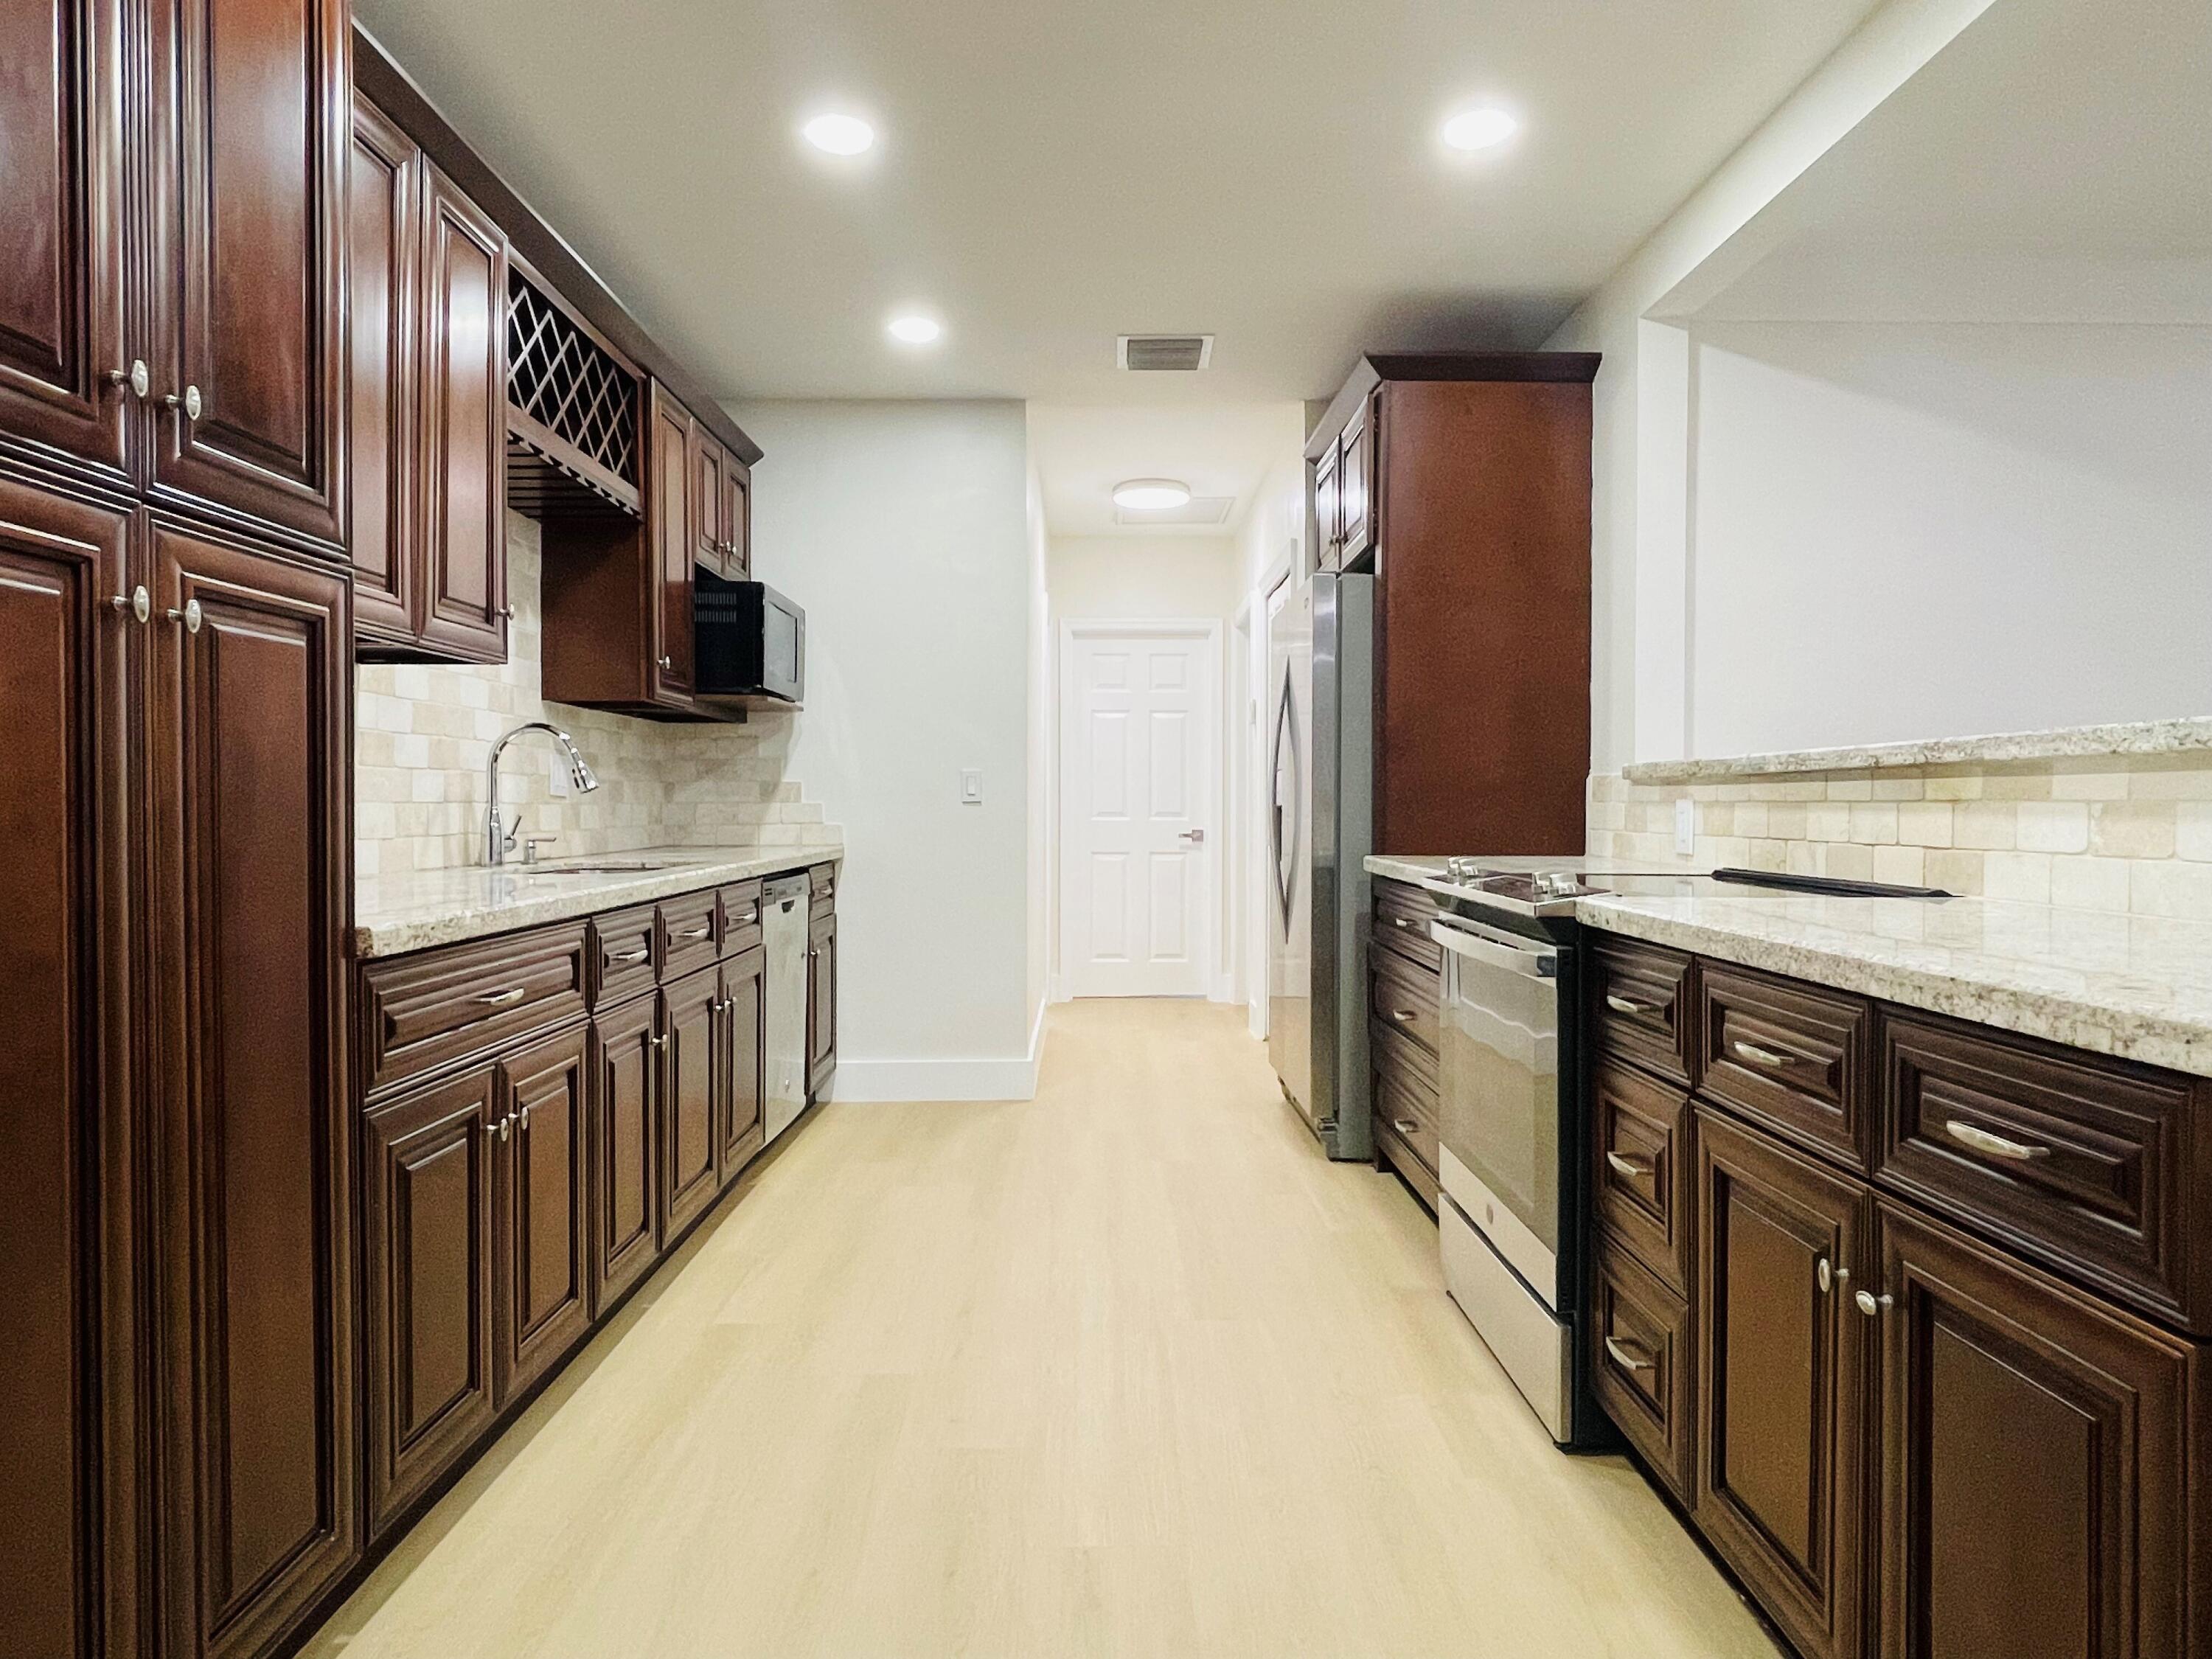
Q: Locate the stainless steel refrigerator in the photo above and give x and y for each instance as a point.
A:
(1321, 663)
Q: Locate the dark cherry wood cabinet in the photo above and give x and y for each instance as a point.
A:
(1781, 1385)
(691, 1019)
(737, 519)
(66, 354)
(248, 736)
(2040, 1453)
(821, 1002)
(428, 346)
(1405, 968)
(1463, 481)
(743, 1058)
(623, 1104)
(427, 1219)
(251, 117)
(542, 1211)
(668, 528)
(69, 1418)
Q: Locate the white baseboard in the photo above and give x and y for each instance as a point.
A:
(1012, 1078)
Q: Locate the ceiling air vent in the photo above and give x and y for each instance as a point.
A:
(1198, 510)
(1174, 354)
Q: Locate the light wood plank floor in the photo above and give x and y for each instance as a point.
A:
(1130, 1368)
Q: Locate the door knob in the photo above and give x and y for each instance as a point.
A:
(1196, 837)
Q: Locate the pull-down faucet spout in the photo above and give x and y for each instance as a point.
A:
(498, 838)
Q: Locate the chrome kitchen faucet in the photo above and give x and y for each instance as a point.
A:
(498, 838)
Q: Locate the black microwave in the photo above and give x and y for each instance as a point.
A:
(750, 642)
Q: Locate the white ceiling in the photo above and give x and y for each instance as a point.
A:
(1082, 452)
(1053, 174)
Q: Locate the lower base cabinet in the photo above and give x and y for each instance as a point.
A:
(821, 1001)
(743, 1052)
(691, 1024)
(2035, 1498)
(542, 1212)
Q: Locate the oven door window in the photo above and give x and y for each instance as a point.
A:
(1501, 1093)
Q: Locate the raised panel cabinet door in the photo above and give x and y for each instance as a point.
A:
(462, 448)
(249, 723)
(709, 500)
(625, 1054)
(543, 1303)
(252, 115)
(669, 541)
(68, 1445)
(65, 355)
(737, 517)
(821, 1001)
(1781, 1381)
(1328, 530)
(1355, 483)
(2040, 1453)
(427, 1216)
(744, 1058)
(689, 1072)
(383, 243)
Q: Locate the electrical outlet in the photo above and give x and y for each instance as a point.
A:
(1685, 827)
(971, 789)
(560, 775)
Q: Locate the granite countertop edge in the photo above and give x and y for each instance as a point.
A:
(415, 911)
(2166, 737)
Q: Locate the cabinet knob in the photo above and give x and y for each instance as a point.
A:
(137, 378)
(507, 612)
(1873, 1306)
(191, 616)
(1831, 1275)
(136, 602)
(506, 1126)
(192, 403)
(523, 1121)
(668, 664)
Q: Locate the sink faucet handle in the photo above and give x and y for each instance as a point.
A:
(531, 843)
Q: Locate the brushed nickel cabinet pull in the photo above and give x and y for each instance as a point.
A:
(138, 602)
(189, 405)
(1872, 1306)
(1626, 1357)
(1400, 922)
(505, 998)
(1764, 1057)
(191, 616)
(1621, 1004)
(1831, 1275)
(523, 1122)
(1403, 1015)
(639, 955)
(137, 378)
(1405, 1126)
(657, 1041)
(1981, 1140)
(1634, 1169)
(695, 933)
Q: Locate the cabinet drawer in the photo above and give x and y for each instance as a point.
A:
(1638, 998)
(1793, 1056)
(686, 933)
(1406, 998)
(822, 888)
(1642, 1368)
(622, 944)
(1402, 915)
(1406, 1129)
(1642, 1174)
(436, 1008)
(2095, 1167)
(741, 908)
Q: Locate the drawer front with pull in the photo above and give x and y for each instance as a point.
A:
(623, 945)
(1405, 999)
(1795, 1057)
(1400, 923)
(688, 927)
(1405, 1128)
(1638, 1003)
(1642, 1176)
(822, 888)
(423, 1013)
(741, 913)
(1643, 1374)
(2095, 1167)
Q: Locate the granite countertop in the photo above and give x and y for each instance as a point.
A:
(2169, 737)
(397, 914)
(2138, 987)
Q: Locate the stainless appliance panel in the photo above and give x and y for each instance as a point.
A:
(1503, 1110)
(1343, 836)
(1289, 910)
(1534, 1346)
(783, 912)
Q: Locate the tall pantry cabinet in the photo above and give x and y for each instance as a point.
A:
(176, 1408)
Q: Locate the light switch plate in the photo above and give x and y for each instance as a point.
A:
(971, 789)
(1685, 826)
(560, 775)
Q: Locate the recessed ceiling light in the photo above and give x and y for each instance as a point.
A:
(1151, 494)
(912, 328)
(841, 135)
(1480, 129)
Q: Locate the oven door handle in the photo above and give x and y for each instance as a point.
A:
(1528, 961)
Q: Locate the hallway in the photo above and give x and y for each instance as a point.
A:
(1128, 1370)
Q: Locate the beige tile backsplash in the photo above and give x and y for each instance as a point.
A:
(424, 734)
(2127, 832)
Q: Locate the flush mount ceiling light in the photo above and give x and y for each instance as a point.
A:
(912, 328)
(1153, 495)
(1480, 129)
(839, 135)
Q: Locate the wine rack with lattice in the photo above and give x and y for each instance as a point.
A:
(572, 413)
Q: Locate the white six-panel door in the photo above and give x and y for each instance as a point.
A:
(1140, 768)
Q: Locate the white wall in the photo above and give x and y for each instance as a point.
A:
(1043, 861)
(903, 529)
(1640, 691)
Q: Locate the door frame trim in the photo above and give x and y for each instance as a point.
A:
(1209, 631)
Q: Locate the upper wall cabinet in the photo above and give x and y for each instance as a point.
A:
(429, 348)
(179, 332)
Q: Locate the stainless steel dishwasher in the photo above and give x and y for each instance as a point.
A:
(783, 909)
